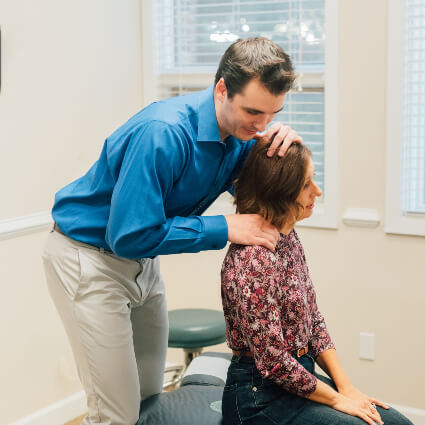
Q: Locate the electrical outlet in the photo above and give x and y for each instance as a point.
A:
(367, 346)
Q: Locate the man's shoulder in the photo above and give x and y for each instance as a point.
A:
(175, 111)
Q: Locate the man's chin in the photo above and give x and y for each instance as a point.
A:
(246, 137)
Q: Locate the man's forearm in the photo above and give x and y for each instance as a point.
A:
(329, 362)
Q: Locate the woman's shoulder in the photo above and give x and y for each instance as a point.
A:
(241, 259)
(289, 244)
(249, 252)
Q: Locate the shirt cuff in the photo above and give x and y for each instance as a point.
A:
(215, 231)
(298, 381)
(321, 347)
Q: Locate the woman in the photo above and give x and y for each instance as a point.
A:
(273, 324)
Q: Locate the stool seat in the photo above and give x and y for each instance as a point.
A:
(196, 328)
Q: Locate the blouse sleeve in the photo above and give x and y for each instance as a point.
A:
(320, 339)
(260, 299)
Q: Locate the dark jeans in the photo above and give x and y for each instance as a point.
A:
(250, 399)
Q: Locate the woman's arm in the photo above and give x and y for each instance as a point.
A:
(329, 362)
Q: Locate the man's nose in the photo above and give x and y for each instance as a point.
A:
(261, 122)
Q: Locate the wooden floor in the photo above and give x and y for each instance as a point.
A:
(76, 421)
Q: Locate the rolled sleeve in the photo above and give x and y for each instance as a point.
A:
(320, 340)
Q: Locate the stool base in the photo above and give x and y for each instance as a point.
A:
(179, 370)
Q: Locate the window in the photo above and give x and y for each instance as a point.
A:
(189, 37)
(406, 118)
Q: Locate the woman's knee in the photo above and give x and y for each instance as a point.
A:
(393, 417)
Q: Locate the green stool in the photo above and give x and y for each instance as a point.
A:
(192, 330)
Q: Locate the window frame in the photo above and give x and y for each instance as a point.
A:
(396, 221)
(326, 211)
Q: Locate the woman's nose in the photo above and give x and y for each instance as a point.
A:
(318, 191)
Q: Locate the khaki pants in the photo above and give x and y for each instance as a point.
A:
(115, 314)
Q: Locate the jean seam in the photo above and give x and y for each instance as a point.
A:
(268, 417)
(236, 403)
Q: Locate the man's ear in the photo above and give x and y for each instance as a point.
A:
(221, 90)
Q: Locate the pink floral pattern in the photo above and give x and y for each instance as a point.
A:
(270, 309)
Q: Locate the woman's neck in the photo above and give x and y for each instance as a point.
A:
(287, 227)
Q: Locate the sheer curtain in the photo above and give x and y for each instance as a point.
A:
(413, 128)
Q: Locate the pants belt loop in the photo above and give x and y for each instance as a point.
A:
(238, 358)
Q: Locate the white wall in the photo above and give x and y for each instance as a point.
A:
(71, 74)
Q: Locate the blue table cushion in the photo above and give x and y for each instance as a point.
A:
(196, 402)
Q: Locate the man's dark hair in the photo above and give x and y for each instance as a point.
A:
(256, 57)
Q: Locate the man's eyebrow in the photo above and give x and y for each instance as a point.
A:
(260, 112)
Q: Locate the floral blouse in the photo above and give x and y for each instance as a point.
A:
(270, 309)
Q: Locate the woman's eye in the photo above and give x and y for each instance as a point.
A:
(306, 185)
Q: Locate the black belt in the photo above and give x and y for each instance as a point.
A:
(56, 229)
(101, 250)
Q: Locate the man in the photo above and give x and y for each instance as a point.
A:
(143, 198)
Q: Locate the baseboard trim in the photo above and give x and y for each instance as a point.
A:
(58, 413)
(18, 226)
(417, 416)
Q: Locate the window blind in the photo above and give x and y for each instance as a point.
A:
(190, 37)
(193, 34)
(304, 111)
(413, 143)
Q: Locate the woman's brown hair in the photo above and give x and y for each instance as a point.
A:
(269, 186)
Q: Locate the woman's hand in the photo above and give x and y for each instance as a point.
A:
(355, 394)
(363, 409)
(284, 137)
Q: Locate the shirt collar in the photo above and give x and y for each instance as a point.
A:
(207, 119)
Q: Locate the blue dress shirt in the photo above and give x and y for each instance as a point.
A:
(155, 176)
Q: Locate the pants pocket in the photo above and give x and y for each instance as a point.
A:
(105, 273)
(229, 406)
(266, 393)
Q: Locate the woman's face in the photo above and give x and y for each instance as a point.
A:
(309, 192)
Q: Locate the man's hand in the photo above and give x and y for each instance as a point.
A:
(284, 137)
(251, 229)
